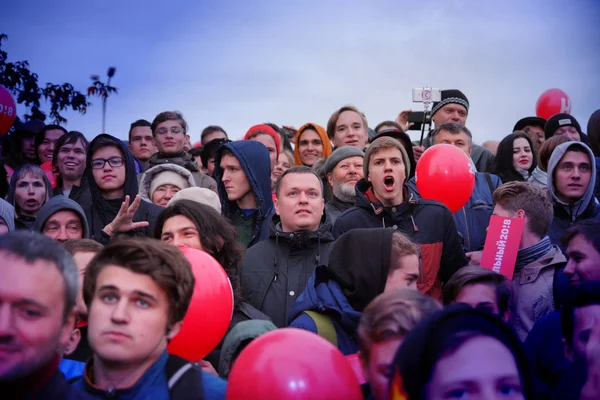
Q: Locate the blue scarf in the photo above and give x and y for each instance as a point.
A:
(532, 253)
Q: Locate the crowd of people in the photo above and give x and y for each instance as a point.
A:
(320, 228)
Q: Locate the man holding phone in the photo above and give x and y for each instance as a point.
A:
(453, 107)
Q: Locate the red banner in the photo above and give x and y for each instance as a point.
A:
(502, 244)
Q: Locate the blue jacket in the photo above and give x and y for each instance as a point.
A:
(325, 296)
(71, 368)
(567, 215)
(256, 163)
(153, 385)
(473, 219)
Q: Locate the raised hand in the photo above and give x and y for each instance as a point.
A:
(123, 222)
(402, 119)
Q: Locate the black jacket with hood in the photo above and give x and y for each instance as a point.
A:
(254, 160)
(103, 211)
(274, 272)
(61, 203)
(22, 221)
(567, 215)
(426, 222)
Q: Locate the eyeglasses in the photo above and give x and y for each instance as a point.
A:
(174, 129)
(114, 162)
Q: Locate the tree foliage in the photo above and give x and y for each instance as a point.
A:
(23, 84)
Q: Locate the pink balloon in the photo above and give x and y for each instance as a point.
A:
(551, 102)
(48, 170)
(8, 110)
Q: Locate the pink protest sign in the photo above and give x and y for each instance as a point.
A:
(502, 244)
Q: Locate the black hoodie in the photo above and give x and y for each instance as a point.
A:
(102, 211)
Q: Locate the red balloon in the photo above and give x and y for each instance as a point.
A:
(48, 170)
(8, 110)
(445, 173)
(552, 101)
(210, 310)
(295, 364)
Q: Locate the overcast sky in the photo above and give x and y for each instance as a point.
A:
(239, 63)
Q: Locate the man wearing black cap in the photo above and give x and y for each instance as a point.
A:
(454, 107)
(532, 124)
(563, 124)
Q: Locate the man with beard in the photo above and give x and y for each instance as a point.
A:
(343, 169)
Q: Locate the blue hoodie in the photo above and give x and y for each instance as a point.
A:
(256, 163)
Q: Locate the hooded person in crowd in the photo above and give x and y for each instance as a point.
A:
(238, 339)
(45, 142)
(532, 125)
(348, 127)
(160, 184)
(425, 366)
(7, 217)
(20, 148)
(170, 136)
(141, 141)
(384, 200)
(274, 272)
(208, 154)
(116, 206)
(564, 125)
(539, 176)
(337, 293)
(311, 144)
(269, 137)
(473, 219)
(383, 326)
(29, 190)
(394, 130)
(343, 169)
(69, 160)
(243, 172)
(37, 292)
(515, 160)
(571, 183)
(62, 219)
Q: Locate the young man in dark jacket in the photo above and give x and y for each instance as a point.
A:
(472, 220)
(37, 292)
(170, 136)
(571, 182)
(243, 173)
(137, 292)
(383, 200)
(62, 219)
(275, 271)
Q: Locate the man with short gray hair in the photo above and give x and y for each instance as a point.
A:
(37, 313)
(343, 168)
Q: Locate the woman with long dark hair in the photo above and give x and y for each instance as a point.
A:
(515, 160)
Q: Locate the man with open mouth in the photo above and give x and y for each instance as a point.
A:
(383, 200)
(571, 182)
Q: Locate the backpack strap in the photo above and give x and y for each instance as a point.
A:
(488, 179)
(325, 327)
(184, 379)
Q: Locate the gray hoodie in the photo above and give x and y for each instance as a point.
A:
(56, 204)
(7, 213)
(149, 175)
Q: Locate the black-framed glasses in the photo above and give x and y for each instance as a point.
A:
(99, 163)
(174, 129)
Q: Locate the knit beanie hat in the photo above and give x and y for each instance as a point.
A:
(322, 134)
(425, 345)
(199, 195)
(389, 142)
(268, 130)
(339, 154)
(168, 177)
(7, 213)
(451, 96)
(558, 121)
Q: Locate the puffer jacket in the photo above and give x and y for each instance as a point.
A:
(148, 176)
(275, 271)
(567, 215)
(425, 222)
(473, 219)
